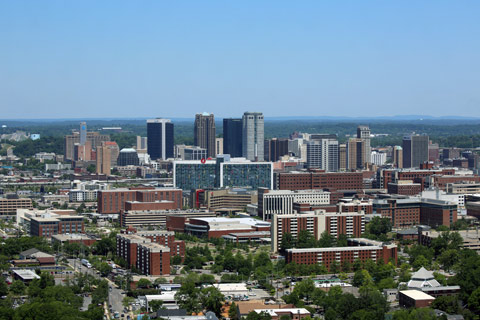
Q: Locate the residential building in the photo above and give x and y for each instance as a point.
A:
(361, 249)
(378, 158)
(316, 223)
(253, 136)
(232, 137)
(204, 132)
(323, 154)
(160, 138)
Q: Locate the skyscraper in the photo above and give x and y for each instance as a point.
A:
(363, 132)
(415, 150)
(232, 137)
(253, 136)
(355, 153)
(398, 157)
(160, 138)
(83, 133)
(204, 132)
(323, 154)
(275, 148)
(104, 160)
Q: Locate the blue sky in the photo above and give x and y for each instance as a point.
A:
(93, 59)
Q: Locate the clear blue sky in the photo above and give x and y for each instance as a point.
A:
(84, 59)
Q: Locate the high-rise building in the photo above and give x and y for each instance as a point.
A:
(160, 138)
(218, 146)
(398, 157)
(253, 136)
(379, 158)
(275, 148)
(104, 160)
(141, 144)
(415, 150)
(323, 154)
(232, 137)
(94, 138)
(204, 132)
(355, 153)
(342, 157)
(83, 133)
(128, 157)
(363, 132)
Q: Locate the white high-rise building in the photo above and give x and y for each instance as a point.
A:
(378, 158)
(253, 136)
(323, 154)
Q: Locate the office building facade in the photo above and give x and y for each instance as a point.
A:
(204, 132)
(275, 148)
(415, 150)
(160, 138)
(253, 136)
(232, 137)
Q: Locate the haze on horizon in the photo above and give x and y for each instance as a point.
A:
(120, 59)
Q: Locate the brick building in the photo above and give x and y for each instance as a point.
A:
(335, 224)
(113, 201)
(386, 176)
(404, 187)
(361, 249)
(406, 212)
(149, 257)
(49, 225)
(414, 299)
(319, 180)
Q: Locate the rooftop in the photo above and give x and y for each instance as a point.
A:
(417, 295)
(26, 274)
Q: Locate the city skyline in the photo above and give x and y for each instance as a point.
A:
(319, 59)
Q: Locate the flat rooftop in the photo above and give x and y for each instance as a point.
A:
(417, 295)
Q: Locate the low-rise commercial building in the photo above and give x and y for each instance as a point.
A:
(303, 180)
(415, 299)
(404, 187)
(9, 206)
(217, 227)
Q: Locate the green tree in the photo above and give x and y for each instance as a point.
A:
(448, 258)
(144, 283)
(287, 242)
(362, 278)
(155, 305)
(232, 311)
(474, 301)
(326, 240)
(17, 287)
(305, 240)
(105, 269)
(212, 300)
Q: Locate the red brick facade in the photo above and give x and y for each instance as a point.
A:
(320, 180)
(113, 201)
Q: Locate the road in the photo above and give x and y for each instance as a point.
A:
(115, 296)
